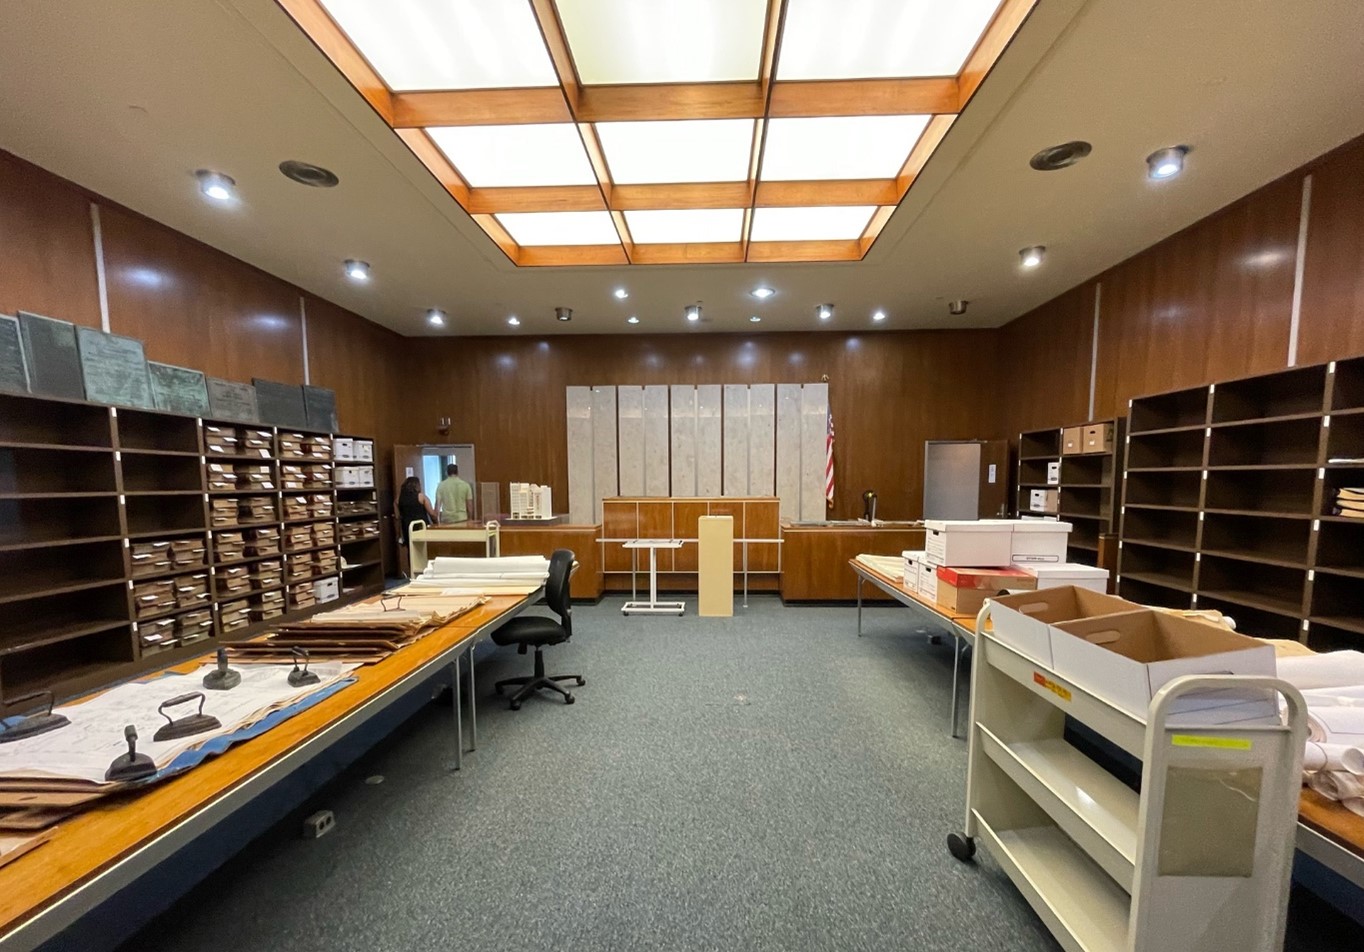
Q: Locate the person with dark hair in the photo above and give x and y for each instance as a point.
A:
(454, 498)
(411, 506)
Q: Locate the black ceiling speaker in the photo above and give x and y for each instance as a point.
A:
(305, 173)
(1061, 156)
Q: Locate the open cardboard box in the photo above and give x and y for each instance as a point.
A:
(1126, 658)
(1023, 621)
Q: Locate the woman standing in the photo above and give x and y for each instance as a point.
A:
(411, 506)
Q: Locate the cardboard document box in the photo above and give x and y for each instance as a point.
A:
(913, 559)
(1126, 658)
(1072, 440)
(963, 591)
(1058, 574)
(928, 581)
(326, 589)
(1039, 540)
(1054, 473)
(1023, 621)
(1043, 500)
(974, 543)
(1098, 438)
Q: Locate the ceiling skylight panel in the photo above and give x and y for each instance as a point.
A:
(560, 228)
(856, 39)
(690, 150)
(689, 225)
(521, 155)
(839, 147)
(664, 41)
(831, 223)
(447, 44)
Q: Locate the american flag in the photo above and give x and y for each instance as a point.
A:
(829, 463)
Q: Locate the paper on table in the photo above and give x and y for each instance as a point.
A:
(1337, 785)
(1318, 756)
(1354, 805)
(453, 565)
(85, 748)
(1336, 725)
(1331, 669)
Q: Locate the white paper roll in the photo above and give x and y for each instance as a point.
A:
(451, 565)
(1336, 725)
(1352, 696)
(1332, 669)
(1319, 756)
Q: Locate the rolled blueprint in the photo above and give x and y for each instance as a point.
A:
(1328, 670)
(1336, 725)
(1319, 756)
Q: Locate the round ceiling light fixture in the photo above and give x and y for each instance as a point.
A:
(693, 312)
(435, 317)
(305, 173)
(763, 293)
(563, 313)
(357, 270)
(514, 321)
(621, 294)
(632, 319)
(957, 308)
(1166, 163)
(1032, 257)
(1061, 156)
(216, 185)
(879, 316)
(824, 312)
(755, 319)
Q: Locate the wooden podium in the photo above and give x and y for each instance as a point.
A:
(715, 566)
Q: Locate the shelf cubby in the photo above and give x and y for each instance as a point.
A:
(69, 666)
(1271, 492)
(164, 514)
(31, 471)
(1033, 472)
(1270, 588)
(1166, 411)
(61, 423)
(59, 569)
(146, 473)
(158, 432)
(55, 519)
(1168, 529)
(1164, 489)
(1340, 545)
(1338, 600)
(1286, 393)
(1158, 565)
(1266, 443)
(1087, 470)
(1165, 450)
(1345, 438)
(1145, 592)
(1347, 391)
(1254, 621)
(1039, 444)
(1277, 541)
(49, 619)
(1323, 636)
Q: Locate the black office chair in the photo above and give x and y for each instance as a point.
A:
(540, 631)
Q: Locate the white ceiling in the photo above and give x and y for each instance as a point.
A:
(128, 99)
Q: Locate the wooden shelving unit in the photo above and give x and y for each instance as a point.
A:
(1228, 499)
(359, 523)
(110, 561)
(1087, 488)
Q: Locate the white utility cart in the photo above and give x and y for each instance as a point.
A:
(1198, 861)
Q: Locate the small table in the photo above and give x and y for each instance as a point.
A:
(653, 606)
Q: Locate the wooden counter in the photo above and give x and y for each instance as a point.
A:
(815, 558)
(93, 842)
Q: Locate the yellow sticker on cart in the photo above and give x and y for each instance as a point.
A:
(1221, 743)
(1043, 681)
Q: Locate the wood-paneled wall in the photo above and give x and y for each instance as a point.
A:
(1212, 302)
(888, 392)
(191, 305)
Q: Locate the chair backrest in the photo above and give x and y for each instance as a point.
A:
(556, 587)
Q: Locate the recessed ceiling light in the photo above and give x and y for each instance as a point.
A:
(216, 185)
(1166, 163)
(435, 317)
(1032, 257)
(632, 319)
(825, 311)
(564, 313)
(514, 321)
(357, 270)
(755, 319)
(762, 293)
(879, 316)
(305, 173)
(621, 294)
(1061, 156)
(693, 312)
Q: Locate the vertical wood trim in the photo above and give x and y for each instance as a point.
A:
(1094, 349)
(303, 328)
(100, 279)
(1299, 264)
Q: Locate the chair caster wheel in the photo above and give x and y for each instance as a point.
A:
(497, 691)
(961, 846)
(935, 639)
(516, 705)
(568, 699)
(582, 681)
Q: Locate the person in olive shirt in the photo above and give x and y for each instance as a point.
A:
(453, 497)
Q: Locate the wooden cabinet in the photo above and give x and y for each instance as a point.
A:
(815, 559)
(655, 517)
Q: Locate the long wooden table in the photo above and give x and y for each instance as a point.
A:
(1327, 832)
(93, 855)
(962, 627)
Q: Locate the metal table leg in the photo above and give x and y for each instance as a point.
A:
(956, 679)
(473, 704)
(859, 606)
(653, 577)
(634, 574)
(459, 713)
(745, 573)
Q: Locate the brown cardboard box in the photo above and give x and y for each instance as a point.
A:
(1073, 439)
(1023, 621)
(963, 591)
(1098, 438)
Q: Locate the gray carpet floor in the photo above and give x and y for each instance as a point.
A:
(765, 782)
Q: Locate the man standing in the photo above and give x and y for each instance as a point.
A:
(453, 497)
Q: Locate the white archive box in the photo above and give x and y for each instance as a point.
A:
(1054, 473)
(928, 581)
(343, 448)
(326, 589)
(1057, 574)
(913, 559)
(1038, 540)
(1023, 621)
(977, 543)
(363, 450)
(1127, 658)
(1043, 500)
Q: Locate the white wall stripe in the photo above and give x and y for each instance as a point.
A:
(1298, 270)
(99, 268)
(1094, 349)
(303, 323)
